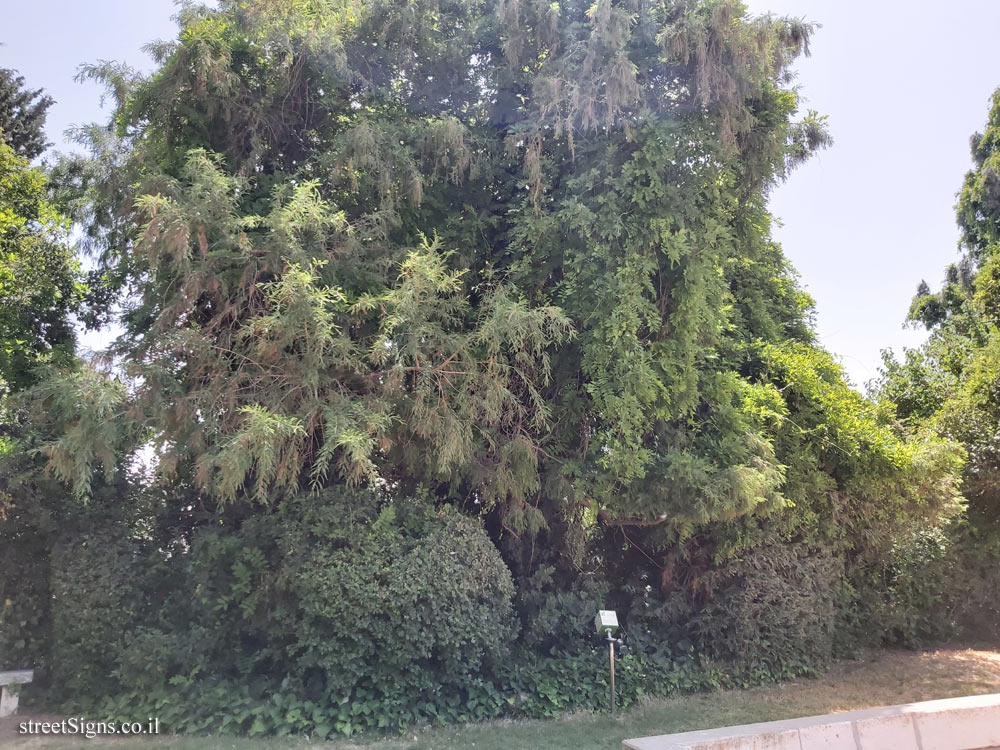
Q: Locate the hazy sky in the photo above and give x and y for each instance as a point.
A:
(904, 89)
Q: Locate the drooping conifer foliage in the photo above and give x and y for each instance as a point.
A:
(507, 257)
(515, 254)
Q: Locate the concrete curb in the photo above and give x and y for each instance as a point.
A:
(971, 723)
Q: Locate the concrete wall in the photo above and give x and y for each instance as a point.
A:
(954, 724)
(10, 683)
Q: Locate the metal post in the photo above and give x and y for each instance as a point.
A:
(611, 655)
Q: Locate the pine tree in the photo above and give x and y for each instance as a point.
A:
(22, 115)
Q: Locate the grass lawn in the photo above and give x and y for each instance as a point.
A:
(882, 678)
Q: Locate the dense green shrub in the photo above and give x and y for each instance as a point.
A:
(72, 577)
(323, 621)
(405, 607)
(384, 614)
(334, 615)
(24, 595)
(974, 583)
(26, 535)
(559, 621)
(768, 614)
(935, 583)
(942, 583)
(96, 588)
(772, 612)
(918, 600)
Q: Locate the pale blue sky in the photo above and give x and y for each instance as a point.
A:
(905, 84)
(904, 88)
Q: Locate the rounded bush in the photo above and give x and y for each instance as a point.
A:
(410, 602)
(374, 613)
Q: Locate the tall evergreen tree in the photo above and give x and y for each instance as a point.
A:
(22, 115)
(517, 254)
